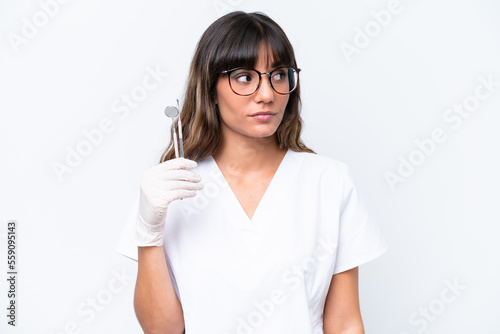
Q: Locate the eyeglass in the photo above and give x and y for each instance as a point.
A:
(246, 81)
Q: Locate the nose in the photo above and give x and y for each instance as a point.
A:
(265, 92)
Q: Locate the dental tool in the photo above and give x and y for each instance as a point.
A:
(181, 146)
(173, 112)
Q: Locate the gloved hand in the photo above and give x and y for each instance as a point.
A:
(161, 185)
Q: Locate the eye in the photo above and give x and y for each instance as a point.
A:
(279, 75)
(242, 76)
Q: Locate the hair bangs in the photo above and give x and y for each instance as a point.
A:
(279, 50)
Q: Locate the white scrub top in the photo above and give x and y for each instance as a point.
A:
(270, 274)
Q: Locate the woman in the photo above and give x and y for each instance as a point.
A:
(268, 236)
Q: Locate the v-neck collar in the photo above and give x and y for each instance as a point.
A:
(263, 203)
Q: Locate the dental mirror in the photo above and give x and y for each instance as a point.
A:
(173, 112)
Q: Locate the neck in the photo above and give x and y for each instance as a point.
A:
(240, 155)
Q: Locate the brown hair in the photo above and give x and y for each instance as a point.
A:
(232, 41)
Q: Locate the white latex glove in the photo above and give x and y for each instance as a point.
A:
(161, 185)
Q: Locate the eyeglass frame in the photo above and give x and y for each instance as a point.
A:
(228, 72)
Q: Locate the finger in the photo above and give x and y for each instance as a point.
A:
(163, 190)
(182, 193)
(177, 185)
(177, 163)
(178, 174)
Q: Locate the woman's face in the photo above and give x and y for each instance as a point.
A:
(239, 114)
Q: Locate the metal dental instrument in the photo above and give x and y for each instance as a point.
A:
(173, 112)
(181, 146)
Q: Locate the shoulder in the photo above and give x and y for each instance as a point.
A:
(317, 163)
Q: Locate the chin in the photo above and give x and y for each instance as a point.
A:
(263, 132)
(254, 131)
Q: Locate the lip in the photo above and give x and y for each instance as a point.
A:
(263, 115)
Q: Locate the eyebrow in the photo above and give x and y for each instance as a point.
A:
(277, 64)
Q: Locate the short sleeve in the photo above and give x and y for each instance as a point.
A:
(360, 239)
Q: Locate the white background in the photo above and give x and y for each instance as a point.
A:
(367, 110)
